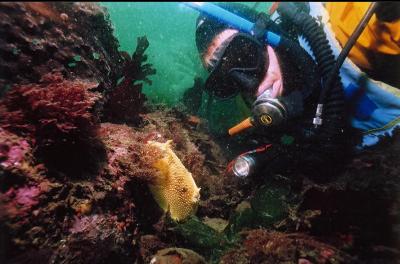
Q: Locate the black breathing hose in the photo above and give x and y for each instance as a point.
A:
(331, 135)
(316, 37)
(308, 66)
(334, 113)
(326, 145)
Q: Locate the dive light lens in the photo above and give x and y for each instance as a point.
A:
(243, 167)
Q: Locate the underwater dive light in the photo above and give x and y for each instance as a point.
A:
(243, 166)
(233, 20)
(249, 162)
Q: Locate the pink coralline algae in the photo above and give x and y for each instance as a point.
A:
(84, 223)
(128, 156)
(13, 149)
(27, 196)
(55, 107)
(59, 118)
(18, 202)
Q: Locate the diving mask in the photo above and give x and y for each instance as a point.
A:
(239, 67)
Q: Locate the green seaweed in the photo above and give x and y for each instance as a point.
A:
(199, 234)
(5, 89)
(203, 238)
(120, 80)
(237, 222)
(35, 41)
(77, 58)
(267, 207)
(269, 204)
(15, 51)
(96, 55)
(71, 64)
(287, 140)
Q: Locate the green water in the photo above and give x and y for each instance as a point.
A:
(170, 29)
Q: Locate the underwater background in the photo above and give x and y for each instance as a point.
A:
(170, 28)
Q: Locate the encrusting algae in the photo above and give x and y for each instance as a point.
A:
(175, 189)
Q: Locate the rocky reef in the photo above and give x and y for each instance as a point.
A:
(261, 246)
(72, 38)
(75, 189)
(63, 173)
(76, 166)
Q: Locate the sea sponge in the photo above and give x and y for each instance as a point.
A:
(174, 188)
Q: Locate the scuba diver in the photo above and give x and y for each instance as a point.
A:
(305, 105)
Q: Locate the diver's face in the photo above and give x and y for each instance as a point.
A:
(269, 78)
(272, 81)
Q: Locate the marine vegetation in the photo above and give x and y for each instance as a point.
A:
(126, 99)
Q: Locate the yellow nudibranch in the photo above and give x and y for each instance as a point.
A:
(174, 188)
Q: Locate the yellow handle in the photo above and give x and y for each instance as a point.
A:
(245, 124)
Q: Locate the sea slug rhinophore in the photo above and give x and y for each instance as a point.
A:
(174, 188)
